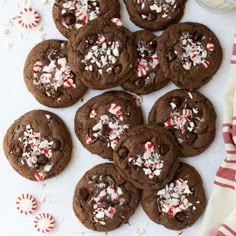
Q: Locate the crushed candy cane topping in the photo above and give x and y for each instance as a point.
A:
(183, 117)
(193, 52)
(55, 74)
(173, 198)
(157, 8)
(76, 13)
(105, 198)
(146, 63)
(37, 152)
(102, 55)
(109, 127)
(150, 161)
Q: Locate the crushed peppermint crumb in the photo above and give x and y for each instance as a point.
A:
(102, 55)
(76, 13)
(161, 8)
(173, 198)
(149, 161)
(114, 123)
(54, 75)
(106, 192)
(194, 53)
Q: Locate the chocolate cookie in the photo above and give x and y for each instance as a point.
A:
(190, 116)
(102, 53)
(48, 76)
(155, 14)
(73, 14)
(103, 200)
(148, 77)
(189, 54)
(147, 156)
(101, 122)
(38, 145)
(180, 203)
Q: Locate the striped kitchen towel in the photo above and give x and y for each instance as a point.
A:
(220, 215)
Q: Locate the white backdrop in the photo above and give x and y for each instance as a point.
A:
(56, 194)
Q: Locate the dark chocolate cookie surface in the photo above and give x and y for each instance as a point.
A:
(74, 14)
(48, 76)
(189, 54)
(155, 14)
(180, 203)
(38, 145)
(190, 116)
(101, 122)
(103, 200)
(102, 53)
(147, 156)
(148, 77)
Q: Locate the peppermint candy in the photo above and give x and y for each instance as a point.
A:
(117, 21)
(54, 75)
(115, 109)
(194, 53)
(26, 204)
(83, 11)
(180, 121)
(44, 223)
(150, 161)
(114, 123)
(40, 176)
(173, 198)
(106, 192)
(27, 18)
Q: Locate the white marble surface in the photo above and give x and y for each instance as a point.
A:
(15, 100)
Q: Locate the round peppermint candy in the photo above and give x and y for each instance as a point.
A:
(26, 204)
(44, 222)
(27, 18)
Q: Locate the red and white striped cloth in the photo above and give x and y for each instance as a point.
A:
(220, 215)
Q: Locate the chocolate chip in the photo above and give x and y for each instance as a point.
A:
(140, 82)
(105, 130)
(92, 39)
(56, 144)
(171, 56)
(197, 36)
(83, 46)
(151, 17)
(123, 152)
(191, 137)
(163, 149)
(180, 216)
(42, 160)
(117, 69)
(17, 151)
(83, 193)
(176, 100)
(55, 93)
(69, 19)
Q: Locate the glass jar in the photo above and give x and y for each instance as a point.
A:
(218, 5)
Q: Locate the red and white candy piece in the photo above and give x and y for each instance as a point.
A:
(187, 65)
(40, 176)
(44, 222)
(148, 146)
(88, 139)
(205, 64)
(68, 83)
(81, 15)
(117, 21)
(211, 47)
(26, 204)
(93, 113)
(102, 39)
(27, 18)
(115, 109)
(187, 112)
